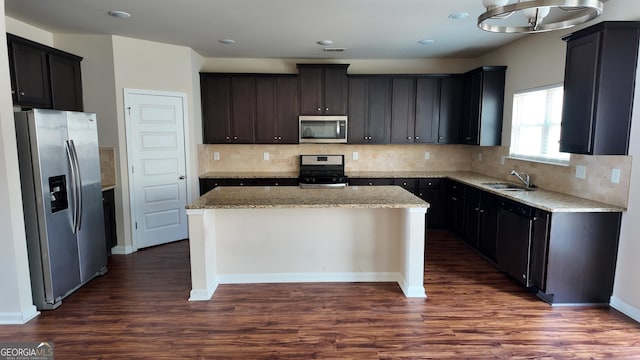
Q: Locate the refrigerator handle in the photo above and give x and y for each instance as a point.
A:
(78, 183)
(72, 157)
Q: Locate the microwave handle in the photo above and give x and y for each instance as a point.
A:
(338, 128)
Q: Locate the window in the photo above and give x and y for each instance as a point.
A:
(535, 129)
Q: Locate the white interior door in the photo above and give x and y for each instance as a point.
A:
(157, 166)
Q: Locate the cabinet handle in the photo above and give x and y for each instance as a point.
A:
(482, 211)
(370, 184)
(404, 184)
(241, 184)
(429, 184)
(441, 137)
(277, 184)
(319, 109)
(408, 137)
(235, 138)
(275, 138)
(477, 209)
(279, 137)
(326, 109)
(227, 138)
(22, 93)
(417, 137)
(454, 198)
(468, 138)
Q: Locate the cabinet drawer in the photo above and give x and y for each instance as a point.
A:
(430, 183)
(370, 181)
(276, 182)
(409, 184)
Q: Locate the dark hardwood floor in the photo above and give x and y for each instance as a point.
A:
(139, 310)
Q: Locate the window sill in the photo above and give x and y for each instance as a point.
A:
(540, 161)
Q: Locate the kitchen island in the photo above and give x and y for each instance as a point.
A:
(288, 234)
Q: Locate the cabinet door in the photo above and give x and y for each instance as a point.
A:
(266, 110)
(539, 246)
(358, 111)
(471, 108)
(455, 207)
(216, 116)
(427, 110)
(311, 79)
(512, 251)
(243, 109)
(450, 114)
(431, 191)
(31, 75)
(66, 83)
(472, 217)
(403, 110)
(336, 87)
(109, 212)
(379, 110)
(287, 113)
(488, 225)
(578, 102)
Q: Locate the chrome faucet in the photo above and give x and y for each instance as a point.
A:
(526, 180)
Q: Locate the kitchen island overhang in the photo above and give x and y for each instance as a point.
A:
(287, 234)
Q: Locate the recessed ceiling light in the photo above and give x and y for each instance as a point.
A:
(425, 42)
(458, 15)
(324, 42)
(227, 41)
(119, 14)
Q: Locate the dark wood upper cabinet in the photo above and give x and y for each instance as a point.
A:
(30, 75)
(323, 89)
(427, 110)
(450, 110)
(66, 83)
(369, 110)
(243, 109)
(403, 110)
(216, 115)
(277, 109)
(483, 102)
(599, 84)
(44, 77)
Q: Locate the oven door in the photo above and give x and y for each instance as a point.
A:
(323, 129)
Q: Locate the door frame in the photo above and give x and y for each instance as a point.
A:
(127, 92)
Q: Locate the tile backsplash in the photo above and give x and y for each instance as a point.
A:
(369, 157)
(108, 166)
(596, 186)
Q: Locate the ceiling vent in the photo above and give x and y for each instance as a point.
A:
(334, 49)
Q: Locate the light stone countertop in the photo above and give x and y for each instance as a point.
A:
(249, 175)
(255, 197)
(542, 199)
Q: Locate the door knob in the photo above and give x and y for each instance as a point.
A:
(182, 177)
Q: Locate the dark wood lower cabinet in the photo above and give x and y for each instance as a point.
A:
(109, 209)
(207, 185)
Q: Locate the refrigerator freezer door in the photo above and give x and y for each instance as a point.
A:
(49, 232)
(82, 130)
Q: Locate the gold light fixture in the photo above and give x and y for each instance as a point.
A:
(537, 15)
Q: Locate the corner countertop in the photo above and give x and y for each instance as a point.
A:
(249, 175)
(255, 197)
(542, 199)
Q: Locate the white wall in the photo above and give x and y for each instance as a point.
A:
(539, 60)
(147, 65)
(16, 304)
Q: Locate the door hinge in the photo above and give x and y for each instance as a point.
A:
(132, 170)
(136, 225)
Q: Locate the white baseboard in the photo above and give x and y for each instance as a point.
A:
(122, 250)
(625, 308)
(18, 318)
(308, 277)
(203, 295)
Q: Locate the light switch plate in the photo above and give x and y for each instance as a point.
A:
(265, 156)
(615, 176)
(216, 155)
(479, 156)
(354, 155)
(427, 155)
(581, 171)
(502, 158)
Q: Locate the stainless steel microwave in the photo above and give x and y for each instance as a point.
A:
(323, 129)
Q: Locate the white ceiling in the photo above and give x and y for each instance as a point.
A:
(369, 29)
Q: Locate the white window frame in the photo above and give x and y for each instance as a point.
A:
(546, 126)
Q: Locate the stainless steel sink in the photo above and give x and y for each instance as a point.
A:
(505, 186)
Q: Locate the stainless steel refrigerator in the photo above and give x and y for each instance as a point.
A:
(61, 192)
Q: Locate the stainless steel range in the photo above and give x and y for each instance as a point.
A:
(322, 171)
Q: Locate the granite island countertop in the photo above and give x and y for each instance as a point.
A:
(539, 198)
(256, 197)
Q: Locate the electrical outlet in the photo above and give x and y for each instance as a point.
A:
(216, 155)
(427, 156)
(615, 176)
(354, 155)
(502, 158)
(581, 171)
(265, 156)
(479, 156)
